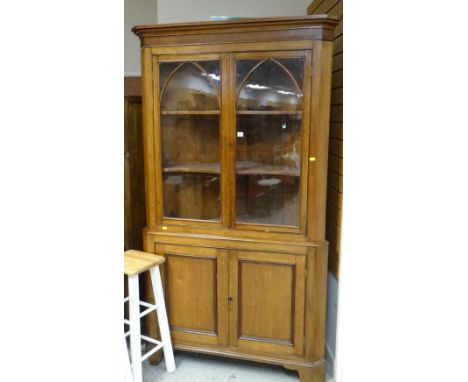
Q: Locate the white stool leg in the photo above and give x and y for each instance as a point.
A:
(135, 332)
(162, 319)
(128, 368)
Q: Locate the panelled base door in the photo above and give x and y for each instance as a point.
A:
(245, 299)
(267, 294)
(196, 293)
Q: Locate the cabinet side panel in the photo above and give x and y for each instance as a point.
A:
(316, 297)
(320, 109)
(335, 157)
(148, 136)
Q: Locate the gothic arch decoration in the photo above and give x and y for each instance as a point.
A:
(269, 85)
(193, 88)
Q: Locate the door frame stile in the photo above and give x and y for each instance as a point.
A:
(226, 176)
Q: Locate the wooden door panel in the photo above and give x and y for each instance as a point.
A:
(191, 285)
(195, 281)
(267, 293)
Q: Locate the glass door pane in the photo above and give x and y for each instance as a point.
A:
(190, 139)
(268, 127)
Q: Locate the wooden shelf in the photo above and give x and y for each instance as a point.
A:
(268, 112)
(266, 221)
(242, 168)
(255, 168)
(199, 168)
(191, 112)
(270, 170)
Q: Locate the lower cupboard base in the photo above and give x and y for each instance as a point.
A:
(314, 373)
(308, 371)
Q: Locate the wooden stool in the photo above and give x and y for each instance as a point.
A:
(137, 262)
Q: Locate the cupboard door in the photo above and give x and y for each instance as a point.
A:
(190, 124)
(195, 281)
(270, 134)
(266, 295)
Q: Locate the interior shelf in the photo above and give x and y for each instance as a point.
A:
(268, 112)
(190, 112)
(200, 168)
(242, 168)
(254, 168)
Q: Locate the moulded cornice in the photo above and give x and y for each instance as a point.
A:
(320, 27)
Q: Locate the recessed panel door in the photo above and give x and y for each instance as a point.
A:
(195, 282)
(267, 294)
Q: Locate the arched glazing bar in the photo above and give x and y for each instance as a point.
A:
(193, 87)
(269, 85)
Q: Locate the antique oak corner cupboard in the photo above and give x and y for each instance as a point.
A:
(236, 120)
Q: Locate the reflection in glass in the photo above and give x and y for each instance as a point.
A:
(268, 130)
(190, 87)
(191, 196)
(211, 71)
(185, 139)
(243, 68)
(165, 71)
(268, 199)
(295, 66)
(269, 87)
(269, 141)
(190, 139)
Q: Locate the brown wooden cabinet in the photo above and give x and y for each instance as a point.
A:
(236, 136)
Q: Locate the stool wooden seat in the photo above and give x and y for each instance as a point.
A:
(135, 263)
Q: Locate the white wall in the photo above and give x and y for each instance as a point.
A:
(167, 11)
(170, 11)
(136, 12)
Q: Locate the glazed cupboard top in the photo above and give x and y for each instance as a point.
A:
(236, 125)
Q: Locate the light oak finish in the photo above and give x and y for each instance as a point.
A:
(315, 374)
(237, 31)
(264, 289)
(136, 262)
(335, 158)
(256, 288)
(196, 281)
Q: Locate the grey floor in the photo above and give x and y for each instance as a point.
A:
(201, 368)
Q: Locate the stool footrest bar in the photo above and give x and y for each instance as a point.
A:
(149, 310)
(151, 352)
(152, 340)
(159, 345)
(147, 304)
